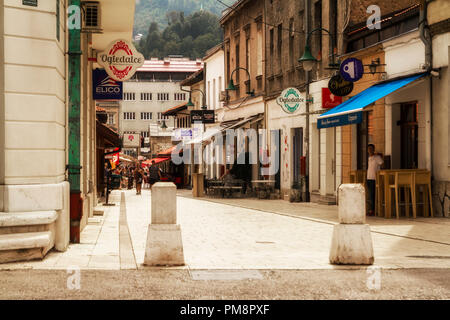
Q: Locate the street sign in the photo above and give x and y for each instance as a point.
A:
(104, 87)
(339, 86)
(203, 116)
(329, 100)
(352, 69)
(121, 60)
(291, 100)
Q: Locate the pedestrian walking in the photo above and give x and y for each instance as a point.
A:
(374, 162)
(138, 176)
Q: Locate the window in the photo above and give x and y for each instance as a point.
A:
(280, 45)
(179, 96)
(209, 93)
(214, 94)
(110, 118)
(129, 116)
(271, 45)
(291, 42)
(129, 96)
(163, 97)
(161, 117)
(146, 96)
(146, 116)
(237, 63)
(259, 52)
(57, 20)
(318, 24)
(145, 134)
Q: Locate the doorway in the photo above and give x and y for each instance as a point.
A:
(297, 153)
(409, 130)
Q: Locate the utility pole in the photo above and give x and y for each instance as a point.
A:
(308, 80)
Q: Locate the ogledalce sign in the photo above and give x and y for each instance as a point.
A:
(290, 100)
(121, 60)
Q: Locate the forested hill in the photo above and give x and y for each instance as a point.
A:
(148, 11)
(178, 27)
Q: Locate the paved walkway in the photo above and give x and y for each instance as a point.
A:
(246, 234)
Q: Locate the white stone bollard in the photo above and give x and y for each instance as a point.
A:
(164, 243)
(352, 241)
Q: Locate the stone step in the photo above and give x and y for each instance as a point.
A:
(28, 240)
(14, 219)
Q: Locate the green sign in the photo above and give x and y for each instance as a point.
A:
(290, 100)
(33, 3)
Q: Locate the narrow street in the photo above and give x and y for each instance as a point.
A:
(238, 249)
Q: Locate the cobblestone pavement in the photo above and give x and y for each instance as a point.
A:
(247, 234)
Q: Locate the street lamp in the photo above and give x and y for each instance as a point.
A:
(308, 62)
(190, 104)
(231, 85)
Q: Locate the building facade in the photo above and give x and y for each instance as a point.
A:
(39, 103)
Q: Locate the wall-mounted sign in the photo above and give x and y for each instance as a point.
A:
(131, 140)
(104, 87)
(33, 3)
(329, 100)
(203, 116)
(352, 69)
(290, 100)
(339, 86)
(120, 60)
(341, 120)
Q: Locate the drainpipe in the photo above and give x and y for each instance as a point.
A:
(426, 38)
(308, 81)
(76, 202)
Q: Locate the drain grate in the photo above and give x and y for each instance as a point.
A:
(429, 257)
(226, 275)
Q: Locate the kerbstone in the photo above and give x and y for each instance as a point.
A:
(351, 244)
(352, 204)
(164, 203)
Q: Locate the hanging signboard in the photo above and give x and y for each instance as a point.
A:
(104, 87)
(341, 120)
(329, 100)
(131, 140)
(202, 116)
(121, 60)
(339, 86)
(291, 100)
(352, 69)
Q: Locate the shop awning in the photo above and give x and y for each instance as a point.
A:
(157, 160)
(350, 111)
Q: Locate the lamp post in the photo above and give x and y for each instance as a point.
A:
(231, 85)
(308, 62)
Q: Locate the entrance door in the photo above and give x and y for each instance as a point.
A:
(278, 151)
(409, 135)
(297, 152)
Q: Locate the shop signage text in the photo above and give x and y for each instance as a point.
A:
(341, 120)
(121, 60)
(290, 100)
(104, 87)
(339, 86)
(203, 116)
(33, 3)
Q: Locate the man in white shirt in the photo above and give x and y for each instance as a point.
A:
(374, 162)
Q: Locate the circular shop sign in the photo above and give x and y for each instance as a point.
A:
(339, 86)
(121, 60)
(352, 69)
(290, 100)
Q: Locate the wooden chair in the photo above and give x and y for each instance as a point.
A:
(403, 180)
(424, 179)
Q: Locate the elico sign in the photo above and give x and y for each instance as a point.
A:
(105, 87)
(121, 60)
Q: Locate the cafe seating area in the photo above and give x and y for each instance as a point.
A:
(400, 192)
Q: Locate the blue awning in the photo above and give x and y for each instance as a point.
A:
(350, 111)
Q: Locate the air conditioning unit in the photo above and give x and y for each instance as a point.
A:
(223, 96)
(91, 17)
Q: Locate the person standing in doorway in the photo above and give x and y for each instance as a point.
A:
(375, 161)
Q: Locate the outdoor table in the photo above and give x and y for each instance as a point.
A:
(383, 181)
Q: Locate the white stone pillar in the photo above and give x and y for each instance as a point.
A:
(352, 241)
(164, 243)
